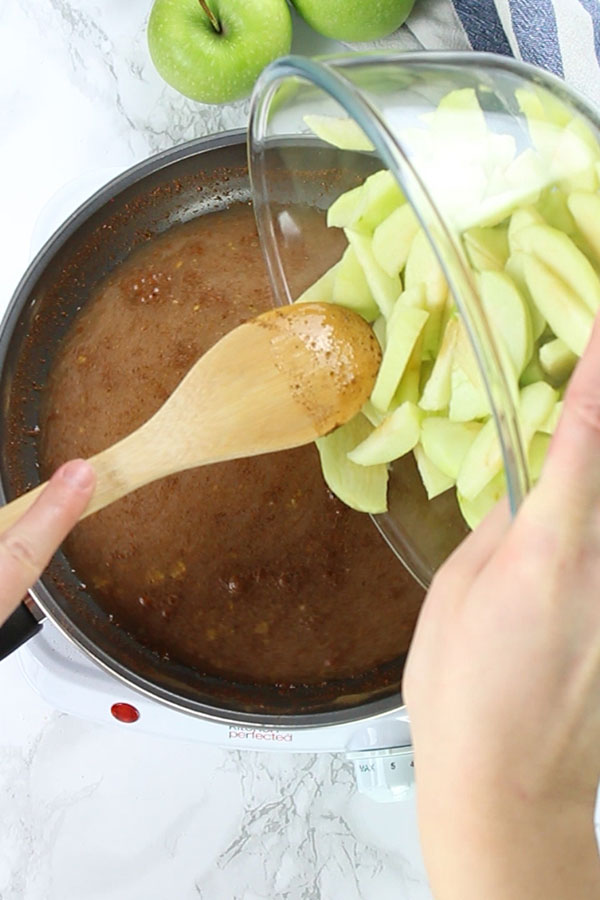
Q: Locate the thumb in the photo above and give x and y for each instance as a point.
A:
(26, 548)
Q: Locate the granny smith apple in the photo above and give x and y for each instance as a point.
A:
(354, 20)
(213, 50)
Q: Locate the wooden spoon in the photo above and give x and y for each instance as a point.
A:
(278, 381)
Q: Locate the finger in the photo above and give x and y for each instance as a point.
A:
(26, 548)
(476, 550)
(571, 473)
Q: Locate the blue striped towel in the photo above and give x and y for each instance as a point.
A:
(562, 36)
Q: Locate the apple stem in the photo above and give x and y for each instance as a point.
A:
(213, 19)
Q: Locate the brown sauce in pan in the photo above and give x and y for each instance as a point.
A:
(250, 568)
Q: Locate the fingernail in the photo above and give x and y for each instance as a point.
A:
(78, 473)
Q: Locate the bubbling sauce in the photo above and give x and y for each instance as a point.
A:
(249, 569)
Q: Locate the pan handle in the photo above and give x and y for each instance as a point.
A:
(17, 629)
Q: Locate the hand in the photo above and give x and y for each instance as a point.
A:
(502, 684)
(26, 548)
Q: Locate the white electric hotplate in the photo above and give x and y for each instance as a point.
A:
(72, 682)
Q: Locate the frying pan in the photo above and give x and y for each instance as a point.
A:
(172, 187)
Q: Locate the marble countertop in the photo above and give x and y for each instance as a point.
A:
(88, 811)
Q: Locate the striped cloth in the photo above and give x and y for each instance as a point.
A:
(562, 36)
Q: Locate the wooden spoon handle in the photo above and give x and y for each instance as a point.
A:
(120, 469)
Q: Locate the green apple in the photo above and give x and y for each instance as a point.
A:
(213, 50)
(354, 20)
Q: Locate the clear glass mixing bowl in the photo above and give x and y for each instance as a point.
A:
(533, 142)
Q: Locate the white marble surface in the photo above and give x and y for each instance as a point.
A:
(96, 813)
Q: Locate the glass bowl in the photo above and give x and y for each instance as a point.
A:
(470, 139)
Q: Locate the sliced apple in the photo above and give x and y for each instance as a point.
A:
(574, 158)
(373, 415)
(408, 390)
(422, 267)
(403, 329)
(446, 443)
(475, 510)
(343, 133)
(350, 288)
(459, 114)
(437, 390)
(533, 372)
(467, 400)
(468, 397)
(520, 219)
(392, 239)
(557, 361)
(380, 196)
(361, 487)
(558, 252)
(379, 327)
(487, 248)
(434, 480)
(508, 315)
(585, 209)
(484, 458)
(515, 267)
(536, 456)
(554, 208)
(549, 425)
(569, 318)
(395, 436)
(342, 211)
(322, 289)
(384, 289)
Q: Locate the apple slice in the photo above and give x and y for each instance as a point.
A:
(533, 372)
(360, 487)
(585, 209)
(434, 480)
(468, 397)
(557, 361)
(487, 248)
(403, 329)
(379, 327)
(549, 425)
(561, 256)
(422, 267)
(569, 318)
(520, 219)
(342, 211)
(468, 400)
(484, 457)
(396, 435)
(515, 268)
(475, 510)
(380, 196)
(575, 154)
(321, 291)
(384, 289)
(350, 288)
(459, 114)
(343, 133)
(408, 390)
(446, 443)
(554, 208)
(536, 456)
(392, 239)
(437, 390)
(508, 316)
(372, 414)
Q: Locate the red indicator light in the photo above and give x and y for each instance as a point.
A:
(125, 712)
